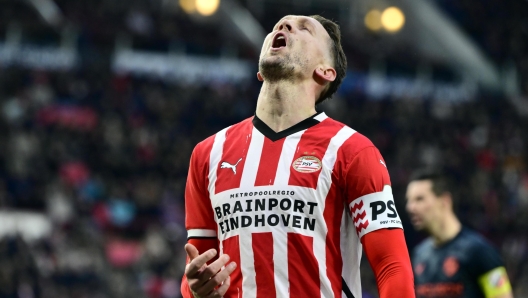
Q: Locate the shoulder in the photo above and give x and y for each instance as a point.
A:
(424, 247)
(483, 256)
(355, 141)
(474, 241)
(204, 147)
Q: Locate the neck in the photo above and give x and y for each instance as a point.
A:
(283, 104)
(446, 229)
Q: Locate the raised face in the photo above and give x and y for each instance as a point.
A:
(295, 48)
(423, 206)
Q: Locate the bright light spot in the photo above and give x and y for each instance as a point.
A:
(373, 20)
(392, 19)
(207, 7)
(189, 6)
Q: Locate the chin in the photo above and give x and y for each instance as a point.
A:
(275, 68)
(419, 227)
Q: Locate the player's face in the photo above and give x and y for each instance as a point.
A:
(423, 206)
(294, 48)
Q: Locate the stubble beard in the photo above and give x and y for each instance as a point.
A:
(280, 68)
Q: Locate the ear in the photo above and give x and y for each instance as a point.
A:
(447, 199)
(259, 77)
(324, 74)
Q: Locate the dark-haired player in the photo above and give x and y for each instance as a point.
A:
(287, 198)
(454, 261)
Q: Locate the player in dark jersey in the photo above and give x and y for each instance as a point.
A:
(454, 261)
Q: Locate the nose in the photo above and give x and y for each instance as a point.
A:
(285, 25)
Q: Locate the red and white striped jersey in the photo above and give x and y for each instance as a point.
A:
(289, 207)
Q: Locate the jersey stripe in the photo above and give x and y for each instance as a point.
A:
(286, 158)
(254, 152)
(231, 246)
(247, 259)
(215, 156)
(323, 187)
(321, 117)
(333, 213)
(280, 239)
(263, 252)
(351, 254)
(280, 259)
(303, 270)
(234, 155)
(269, 161)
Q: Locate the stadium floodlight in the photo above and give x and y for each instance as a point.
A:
(373, 20)
(189, 6)
(207, 7)
(392, 19)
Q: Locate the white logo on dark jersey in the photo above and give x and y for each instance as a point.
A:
(226, 165)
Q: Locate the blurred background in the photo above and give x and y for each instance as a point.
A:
(102, 102)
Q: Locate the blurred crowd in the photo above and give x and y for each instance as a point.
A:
(499, 27)
(105, 157)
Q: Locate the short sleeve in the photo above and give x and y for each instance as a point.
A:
(199, 216)
(488, 269)
(484, 258)
(369, 193)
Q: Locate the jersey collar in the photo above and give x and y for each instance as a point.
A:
(274, 136)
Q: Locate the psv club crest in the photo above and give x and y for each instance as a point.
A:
(307, 164)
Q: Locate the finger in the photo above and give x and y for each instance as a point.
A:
(214, 267)
(224, 287)
(203, 276)
(218, 278)
(220, 292)
(197, 263)
(192, 251)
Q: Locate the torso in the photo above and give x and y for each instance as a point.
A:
(280, 208)
(449, 270)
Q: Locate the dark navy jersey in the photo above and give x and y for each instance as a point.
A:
(454, 268)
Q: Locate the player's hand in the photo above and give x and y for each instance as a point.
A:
(204, 279)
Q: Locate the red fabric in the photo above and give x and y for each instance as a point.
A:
(303, 270)
(387, 254)
(234, 152)
(202, 245)
(198, 210)
(315, 149)
(366, 173)
(264, 271)
(231, 247)
(269, 162)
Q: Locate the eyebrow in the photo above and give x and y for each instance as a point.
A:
(307, 22)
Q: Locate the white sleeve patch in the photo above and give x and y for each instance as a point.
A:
(375, 211)
(200, 233)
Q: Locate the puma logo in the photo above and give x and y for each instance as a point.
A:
(226, 165)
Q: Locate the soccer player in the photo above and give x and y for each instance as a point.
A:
(454, 261)
(286, 198)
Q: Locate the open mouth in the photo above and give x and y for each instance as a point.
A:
(279, 41)
(415, 220)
